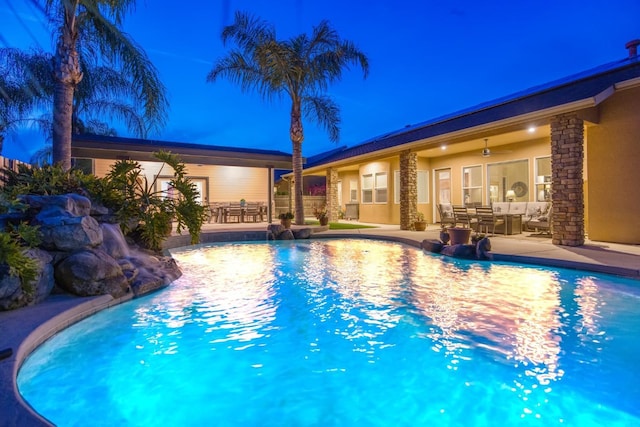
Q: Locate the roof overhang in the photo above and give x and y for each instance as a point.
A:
(504, 120)
(114, 148)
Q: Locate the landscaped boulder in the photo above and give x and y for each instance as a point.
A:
(432, 245)
(68, 204)
(70, 233)
(91, 272)
(301, 233)
(483, 248)
(149, 273)
(12, 294)
(460, 251)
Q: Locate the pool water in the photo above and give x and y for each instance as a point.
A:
(349, 332)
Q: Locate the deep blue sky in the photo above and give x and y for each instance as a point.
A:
(427, 58)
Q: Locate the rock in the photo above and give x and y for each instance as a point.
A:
(460, 251)
(11, 293)
(482, 249)
(301, 233)
(151, 273)
(287, 234)
(278, 232)
(275, 229)
(70, 233)
(72, 204)
(432, 245)
(91, 272)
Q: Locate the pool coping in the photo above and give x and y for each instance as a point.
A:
(48, 318)
(61, 311)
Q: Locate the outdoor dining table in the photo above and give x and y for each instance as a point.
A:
(512, 221)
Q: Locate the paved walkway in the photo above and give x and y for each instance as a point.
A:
(21, 331)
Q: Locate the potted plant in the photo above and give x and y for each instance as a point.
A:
(285, 219)
(321, 215)
(243, 202)
(420, 224)
(459, 235)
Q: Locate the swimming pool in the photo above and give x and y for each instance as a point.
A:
(349, 332)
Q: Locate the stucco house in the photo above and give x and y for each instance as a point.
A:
(574, 142)
(221, 174)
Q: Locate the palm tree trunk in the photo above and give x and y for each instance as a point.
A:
(67, 75)
(297, 136)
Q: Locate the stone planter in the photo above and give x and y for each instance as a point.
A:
(459, 235)
(420, 225)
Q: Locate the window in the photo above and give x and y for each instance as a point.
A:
(472, 185)
(85, 165)
(396, 187)
(423, 187)
(508, 181)
(543, 179)
(374, 188)
(381, 187)
(353, 190)
(367, 188)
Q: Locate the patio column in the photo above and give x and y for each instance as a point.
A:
(333, 205)
(408, 189)
(567, 156)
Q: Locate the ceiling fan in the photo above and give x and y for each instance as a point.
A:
(486, 152)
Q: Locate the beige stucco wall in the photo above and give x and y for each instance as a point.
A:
(225, 183)
(389, 213)
(613, 160)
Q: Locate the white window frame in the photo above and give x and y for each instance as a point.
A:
(423, 187)
(380, 188)
(470, 185)
(353, 191)
(367, 189)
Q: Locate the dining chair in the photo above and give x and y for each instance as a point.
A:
(486, 218)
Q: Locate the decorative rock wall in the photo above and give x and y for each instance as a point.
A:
(567, 156)
(85, 257)
(408, 189)
(333, 204)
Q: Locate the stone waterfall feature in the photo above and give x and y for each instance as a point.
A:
(81, 256)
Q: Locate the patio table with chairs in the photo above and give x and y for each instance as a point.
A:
(484, 219)
(227, 212)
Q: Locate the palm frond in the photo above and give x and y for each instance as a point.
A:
(324, 111)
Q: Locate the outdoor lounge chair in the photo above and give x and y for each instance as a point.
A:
(541, 223)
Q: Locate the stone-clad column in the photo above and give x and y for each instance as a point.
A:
(333, 204)
(567, 156)
(408, 189)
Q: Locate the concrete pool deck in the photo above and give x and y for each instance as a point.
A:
(23, 330)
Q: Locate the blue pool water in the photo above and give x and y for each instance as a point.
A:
(349, 332)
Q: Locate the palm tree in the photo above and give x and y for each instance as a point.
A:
(103, 93)
(88, 31)
(301, 68)
(21, 91)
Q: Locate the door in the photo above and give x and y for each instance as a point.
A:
(442, 184)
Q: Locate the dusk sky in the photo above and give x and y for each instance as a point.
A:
(427, 59)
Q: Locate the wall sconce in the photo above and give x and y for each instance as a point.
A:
(511, 195)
